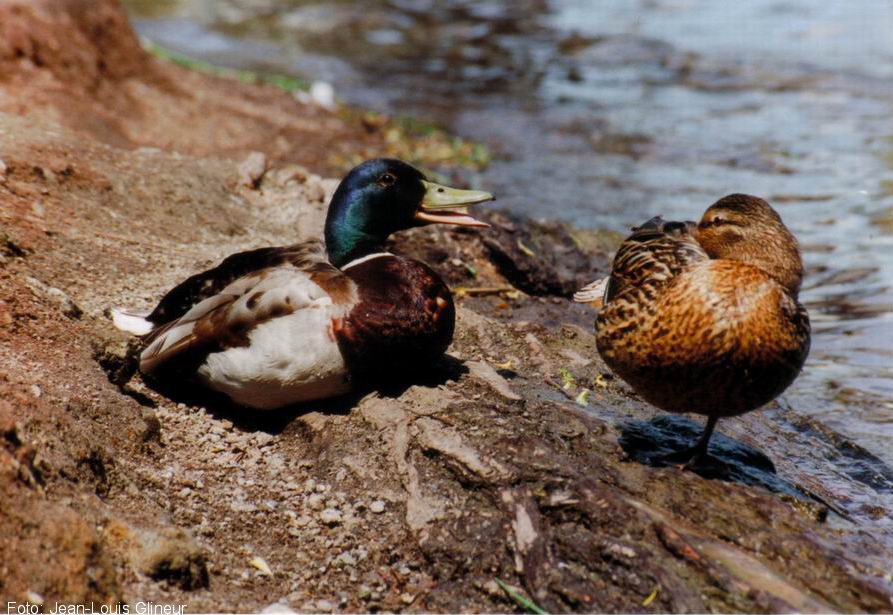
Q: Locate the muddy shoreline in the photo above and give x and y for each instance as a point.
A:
(121, 174)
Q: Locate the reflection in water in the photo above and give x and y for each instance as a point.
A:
(606, 113)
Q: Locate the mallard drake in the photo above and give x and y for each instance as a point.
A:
(281, 325)
(704, 317)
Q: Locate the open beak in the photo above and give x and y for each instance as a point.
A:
(445, 205)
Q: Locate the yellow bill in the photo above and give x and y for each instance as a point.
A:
(445, 205)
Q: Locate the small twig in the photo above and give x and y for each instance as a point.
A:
(561, 389)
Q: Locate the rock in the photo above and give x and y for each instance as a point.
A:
(252, 169)
(278, 607)
(377, 507)
(315, 501)
(8, 247)
(173, 555)
(539, 258)
(262, 439)
(54, 295)
(242, 506)
(263, 569)
(484, 372)
(344, 559)
(321, 93)
(118, 358)
(330, 516)
(34, 598)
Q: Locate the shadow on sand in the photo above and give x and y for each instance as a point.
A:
(274, 422)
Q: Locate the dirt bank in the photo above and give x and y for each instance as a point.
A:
(499, 468)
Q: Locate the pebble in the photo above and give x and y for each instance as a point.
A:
(34, 598)
(622, 550)
(252, 169)
(323, 94)
(345, 559)
(263, 438)
(377, 507)
(315, 502)
(242, 506)
(263, 569)
(278, 607)
(324, 605)
(330, 516)
(66, 305)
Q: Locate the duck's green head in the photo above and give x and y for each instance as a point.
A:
(383, 196)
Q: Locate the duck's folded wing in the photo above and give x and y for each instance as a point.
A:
(227, 318)
(654, 254)
(193, 290)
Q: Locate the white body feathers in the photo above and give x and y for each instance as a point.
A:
(275, 330)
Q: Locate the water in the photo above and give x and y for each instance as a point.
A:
(606, 113)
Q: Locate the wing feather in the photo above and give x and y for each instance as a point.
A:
(653, 255)
(194, 289)
(225, 319)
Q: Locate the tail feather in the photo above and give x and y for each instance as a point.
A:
(593, 292)
(132, 322)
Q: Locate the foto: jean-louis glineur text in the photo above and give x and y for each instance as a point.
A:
(89, 608)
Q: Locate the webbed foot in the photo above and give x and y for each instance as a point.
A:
(695, 456)
(685, 459)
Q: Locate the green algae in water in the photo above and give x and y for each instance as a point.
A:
(283, 82)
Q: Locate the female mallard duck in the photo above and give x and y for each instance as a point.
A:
(704, 318)
(277, 326)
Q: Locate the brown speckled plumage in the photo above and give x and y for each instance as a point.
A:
(704, 318)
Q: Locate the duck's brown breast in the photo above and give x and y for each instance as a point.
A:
(721, 338)
(404, 319)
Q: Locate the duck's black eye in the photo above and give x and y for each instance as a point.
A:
(387, 179)
(714, 221)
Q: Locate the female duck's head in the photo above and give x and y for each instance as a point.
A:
(383, 196)
(746, 228)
